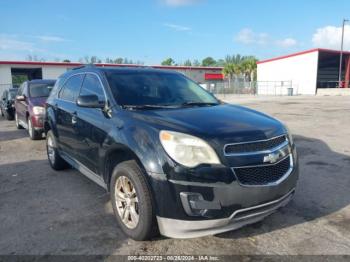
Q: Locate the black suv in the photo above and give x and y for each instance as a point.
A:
(7, 103)
(175, 159)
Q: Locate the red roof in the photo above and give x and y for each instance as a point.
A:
(73, 64)
(302, 53)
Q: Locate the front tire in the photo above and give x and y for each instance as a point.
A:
(55, 160)
(33, 134)
(18, 125)
(132, 201)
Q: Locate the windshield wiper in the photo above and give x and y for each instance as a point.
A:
(145, 107)
(193, 103)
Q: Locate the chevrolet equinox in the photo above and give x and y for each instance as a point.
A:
(176, 160)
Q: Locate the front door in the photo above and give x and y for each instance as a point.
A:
(90, 125)
(66, 110)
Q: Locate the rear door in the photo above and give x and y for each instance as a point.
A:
(90, 125)
(66, 110)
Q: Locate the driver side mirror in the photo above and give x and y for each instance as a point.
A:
(90, 101)
(20, 98)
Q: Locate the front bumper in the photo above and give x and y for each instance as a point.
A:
(176, 228)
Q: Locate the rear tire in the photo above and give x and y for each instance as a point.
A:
(9, 117)
(18, 125)
(146, 226)
(55, 160)
(33, 134)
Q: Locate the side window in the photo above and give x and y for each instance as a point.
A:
(25, 90)
(20, 90)
(92, 86)
(71, 88)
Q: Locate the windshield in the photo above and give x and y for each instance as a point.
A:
(156, 89)
(12, 94)
(40, 90)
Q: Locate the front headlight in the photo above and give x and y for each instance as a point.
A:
(187, 150)
(38, 110)
(289, 134)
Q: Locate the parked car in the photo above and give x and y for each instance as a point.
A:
(7, 103)
(173, 157)
(30, 106)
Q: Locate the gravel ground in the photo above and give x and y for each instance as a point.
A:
(46, 212)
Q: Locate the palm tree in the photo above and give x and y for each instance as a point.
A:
(228, 72)
(249, 68)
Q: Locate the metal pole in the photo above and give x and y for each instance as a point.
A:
(341, 53)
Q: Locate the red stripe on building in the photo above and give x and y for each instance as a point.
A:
(209, 76)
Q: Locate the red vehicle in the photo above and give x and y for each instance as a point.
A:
(30, 106)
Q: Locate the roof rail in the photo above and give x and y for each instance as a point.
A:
(83, 66)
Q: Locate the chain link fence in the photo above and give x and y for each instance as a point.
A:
(276, 88)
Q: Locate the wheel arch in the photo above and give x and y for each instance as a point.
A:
(115, 155)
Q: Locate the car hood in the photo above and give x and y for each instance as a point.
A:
(38, 101)
(229, 123)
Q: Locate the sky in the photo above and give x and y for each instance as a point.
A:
(152, 30)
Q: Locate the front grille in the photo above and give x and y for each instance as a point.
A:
(254, 146)
(262, 175)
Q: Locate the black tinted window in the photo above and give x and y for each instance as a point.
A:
(71, 88)
(155, 88)
(40, 90)
(12, 94)
(92, 86)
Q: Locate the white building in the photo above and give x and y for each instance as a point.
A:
(305, 72)
(11, 72)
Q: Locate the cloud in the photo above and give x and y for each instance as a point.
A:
(248, 36)
(176, 3)
(46, 38)
(287, 42)
(330, 37)
(15, 47)
(177, 27)
(8, 42)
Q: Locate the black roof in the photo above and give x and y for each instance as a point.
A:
(117, 69)
(41, 81)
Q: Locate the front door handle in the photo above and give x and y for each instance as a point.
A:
(74, 118)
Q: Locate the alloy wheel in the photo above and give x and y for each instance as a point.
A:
(127, 202)
(50, 150)
(30, 128)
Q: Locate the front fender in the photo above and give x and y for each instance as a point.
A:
(141, 141)
(50, 119)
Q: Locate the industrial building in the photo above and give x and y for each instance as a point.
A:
(12, 72)
(304, 73)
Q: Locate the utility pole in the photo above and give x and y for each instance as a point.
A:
(341, 53)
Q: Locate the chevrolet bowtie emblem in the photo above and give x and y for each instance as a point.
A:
(272, 157)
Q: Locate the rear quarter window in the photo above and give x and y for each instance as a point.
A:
(71, 88)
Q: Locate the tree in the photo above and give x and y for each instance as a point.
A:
(249, 68)
(169, 62)
(208, 61)
(196, 63)
(188, 63)
(118, 60)
(66, 61)
(228, 72)
(220, 62)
